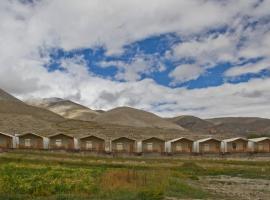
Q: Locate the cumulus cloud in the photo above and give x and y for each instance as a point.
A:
(29, 33)
(135, 68)
(250, 68)
(246, 38)
(185, 73)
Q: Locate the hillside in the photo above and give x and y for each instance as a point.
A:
(230, 126)
(192, 123)
(16, 116)
(4, 96)
(135, 118)
(65, 108)
(241, 125)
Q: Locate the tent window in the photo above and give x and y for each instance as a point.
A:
(206, 147)
(179, 147)
(149, 146)
(58, 142)
(120, 146)
(234, 146)
(260, 147)
(27, 142)
(89, 145)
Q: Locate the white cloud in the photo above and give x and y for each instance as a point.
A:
(135, 68)
(29, 32)
(207, 51)
(252, 68)
(185, 73)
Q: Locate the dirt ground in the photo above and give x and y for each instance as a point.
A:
(237, 188)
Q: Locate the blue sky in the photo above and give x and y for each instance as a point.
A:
(156, 47)
(206, 58)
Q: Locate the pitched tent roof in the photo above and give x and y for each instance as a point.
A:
(8, 135)
(259, 139)
(178, 139)
(84, 137)
(153, 138)
(57, 134)
(234, 139)
(207, 139)
(20, 135)
(123, 138)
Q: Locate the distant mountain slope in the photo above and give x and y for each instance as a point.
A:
(234, 126)
(65, 108)
(191, 123)
(241, 125)
(16, 116)
(133, 117)
(4, 96)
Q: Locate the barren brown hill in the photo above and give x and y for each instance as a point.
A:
(18, 117)
(65, 108)
(4, 96)
(242, 125)
(192, 123)
(127, 116)
(228, 126)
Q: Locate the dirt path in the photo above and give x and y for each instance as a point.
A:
(237, 188)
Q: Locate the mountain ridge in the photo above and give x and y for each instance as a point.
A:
(66, 108)
(17, 116)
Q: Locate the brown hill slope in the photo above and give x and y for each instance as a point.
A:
(135, 118)
(241, 125)
(192, 123)
(16, 116)
(228, 126)
(65, 108)
(4, 96)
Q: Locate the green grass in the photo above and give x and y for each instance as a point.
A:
(47, 176)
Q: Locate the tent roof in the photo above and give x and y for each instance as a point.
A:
(156, 138)
(181, 138)
(207, 139)
(83, 137)
(259, 139)
(234, 139)
(1, 133)
(50, 136)
(123, 138)
(19, 135)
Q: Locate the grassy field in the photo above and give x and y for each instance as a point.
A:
(49, 176)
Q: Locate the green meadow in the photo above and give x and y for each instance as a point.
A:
(52, 176)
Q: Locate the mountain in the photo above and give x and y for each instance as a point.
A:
(228, 126)
(65, 108)
(127, 116)
(16, 116)
(19, 117)
(241, 125)
(192, 123)
(4, 96)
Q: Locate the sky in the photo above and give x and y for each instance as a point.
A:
(208, 58)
